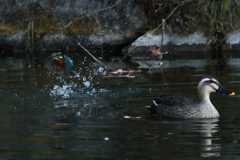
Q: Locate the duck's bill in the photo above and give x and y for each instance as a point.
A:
(224, 91)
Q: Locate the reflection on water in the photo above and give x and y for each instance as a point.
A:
(210, 146)
(46, 114)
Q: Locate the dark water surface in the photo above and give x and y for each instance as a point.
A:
(48, 115)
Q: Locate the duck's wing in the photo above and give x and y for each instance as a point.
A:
(176, 100)
(177, 106)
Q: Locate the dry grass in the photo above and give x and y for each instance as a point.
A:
(6, 29)
(83, 26)
(44, 24)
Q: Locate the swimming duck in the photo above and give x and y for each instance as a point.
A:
(64, 62)
(186, 106)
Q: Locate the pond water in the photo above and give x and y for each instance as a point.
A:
(48, 115)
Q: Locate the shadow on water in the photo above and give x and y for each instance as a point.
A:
(46, 114)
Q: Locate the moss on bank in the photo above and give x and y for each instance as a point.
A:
(44, 22)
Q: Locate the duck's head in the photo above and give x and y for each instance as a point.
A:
(210, 84)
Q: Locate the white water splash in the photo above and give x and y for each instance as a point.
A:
(65, 90)
(87, 84)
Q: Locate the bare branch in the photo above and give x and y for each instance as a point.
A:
(94, 57)
(160, 23)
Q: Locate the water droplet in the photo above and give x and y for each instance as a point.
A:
(106, 139)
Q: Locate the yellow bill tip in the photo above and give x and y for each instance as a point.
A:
(231, 94)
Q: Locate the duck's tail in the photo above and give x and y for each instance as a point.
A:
(152, 108)
(155, 104)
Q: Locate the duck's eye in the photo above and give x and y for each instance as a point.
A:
(214, 84)
(211, 82)
(208, 81)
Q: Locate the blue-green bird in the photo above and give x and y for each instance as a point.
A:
(64, 62)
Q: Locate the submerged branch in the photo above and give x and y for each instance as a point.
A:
(95, 57)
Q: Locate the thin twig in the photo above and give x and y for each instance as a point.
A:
(163, 22)
(23, 33)
(95, 16)
(94, 57)
(158, 26)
